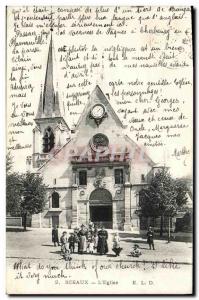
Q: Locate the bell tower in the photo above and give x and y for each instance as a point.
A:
(51, 131)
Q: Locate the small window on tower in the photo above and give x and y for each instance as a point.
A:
(55, 200)
(142, 178)
(119, 176)
(82, 177)
(48, 140)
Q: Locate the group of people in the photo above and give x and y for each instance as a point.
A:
(91, 239)
(85, 239)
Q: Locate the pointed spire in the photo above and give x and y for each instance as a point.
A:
(102, 68)
(100, 72)
(40, 107)
(49, 102)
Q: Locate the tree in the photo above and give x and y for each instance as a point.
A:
(33, 195)
(25, 194)
(182, 190)
(13, 195)
(160, 198)
(9, 162)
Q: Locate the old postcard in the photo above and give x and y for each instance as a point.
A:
(99, 150)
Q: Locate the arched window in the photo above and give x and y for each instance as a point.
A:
(55, 200)
(48, 140)
(101, 196)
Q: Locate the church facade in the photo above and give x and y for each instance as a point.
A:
(94, 172)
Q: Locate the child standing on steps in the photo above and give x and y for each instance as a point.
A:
(90, 247)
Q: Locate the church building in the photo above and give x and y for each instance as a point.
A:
(94, 172)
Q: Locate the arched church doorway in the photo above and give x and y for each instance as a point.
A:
(100, 207)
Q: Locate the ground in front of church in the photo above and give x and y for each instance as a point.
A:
(37, 244)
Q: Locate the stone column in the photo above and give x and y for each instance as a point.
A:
(50, 221)
(114, 209)
(134, 207)
(127, 174)
(87, 212)
(74, 201)
(127, 206)
(74, 206)
(74, 176)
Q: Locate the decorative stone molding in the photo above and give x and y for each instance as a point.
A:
(128, 184)
(99, 182)
(118, 191)
(74, 186)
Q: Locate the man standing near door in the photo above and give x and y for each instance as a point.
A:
(102, 247)
(55, 236)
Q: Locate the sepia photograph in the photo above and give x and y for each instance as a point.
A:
(99, 150)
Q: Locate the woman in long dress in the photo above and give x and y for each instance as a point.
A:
(102, 246)
(116, 244)
(82, 234)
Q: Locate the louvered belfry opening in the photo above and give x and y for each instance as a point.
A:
(48, 140)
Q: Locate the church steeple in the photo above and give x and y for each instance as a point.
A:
(49, 100)
(51, 131)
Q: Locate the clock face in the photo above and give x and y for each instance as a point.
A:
(98, 111)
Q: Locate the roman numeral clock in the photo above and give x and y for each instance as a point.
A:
(98, 113)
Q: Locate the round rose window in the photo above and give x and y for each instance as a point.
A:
(99, 142)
